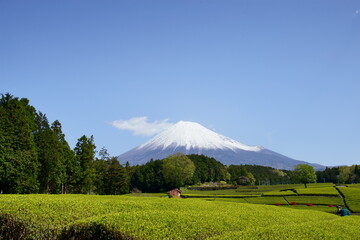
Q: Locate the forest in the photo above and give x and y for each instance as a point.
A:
(36, 158)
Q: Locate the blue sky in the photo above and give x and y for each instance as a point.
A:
(281, 74)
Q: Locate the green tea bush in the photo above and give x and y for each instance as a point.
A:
(130, 217)
(352, 197)
(189, 195)
(12, 228)
(322, 200)
(236, 200)
(267, 200)
(319, 185)
(196, 219)
(281, 193)
(220, 192)
(342, 228)
(324, 191)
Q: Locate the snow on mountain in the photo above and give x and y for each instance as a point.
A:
(193, 135)
(193, 138)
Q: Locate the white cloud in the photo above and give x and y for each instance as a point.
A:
(357, 12)
(141, 126)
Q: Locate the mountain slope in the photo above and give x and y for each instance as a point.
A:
(193, 138)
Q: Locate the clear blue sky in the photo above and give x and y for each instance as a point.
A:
(281, 74)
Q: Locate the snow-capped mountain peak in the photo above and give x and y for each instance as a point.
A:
(195, 136)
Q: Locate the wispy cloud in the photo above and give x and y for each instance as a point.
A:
(357, 12)
(140, 126)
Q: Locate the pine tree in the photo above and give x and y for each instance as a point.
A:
(115, 179)
(70, 167)
(49, 156)
(85, 154)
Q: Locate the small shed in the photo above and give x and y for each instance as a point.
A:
(175, 192)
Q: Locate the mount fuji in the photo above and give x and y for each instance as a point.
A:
(193, 138)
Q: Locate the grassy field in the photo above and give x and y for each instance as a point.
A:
(131, 217)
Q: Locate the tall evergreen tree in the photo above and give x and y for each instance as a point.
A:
(111, 177)
(18, 162)
(115, 179)
(70, 167)
(149, 177)
(49, 156)
(85, 153)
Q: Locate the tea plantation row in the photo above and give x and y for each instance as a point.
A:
(128, 217)
(317, 195)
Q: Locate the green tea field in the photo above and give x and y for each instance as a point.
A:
(156, 217)
(317, 196)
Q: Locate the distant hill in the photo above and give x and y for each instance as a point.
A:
(193, 138)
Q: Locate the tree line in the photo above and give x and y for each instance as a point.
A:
(36, 158)
(340, 175)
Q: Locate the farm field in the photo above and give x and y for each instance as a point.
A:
(328, 191)
(281, 189)
(357, 185)
(352, 197)
(321, 200)
(319, 196)
(131, 217)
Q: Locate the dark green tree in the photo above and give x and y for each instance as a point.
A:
(149, 177)
(111, 177)
(115, 179)
(356, 174)
(19, 167)
(49, 156)
(328, 175)
(207, 169)
(70, 167)
(85, 154)
(267, 175)
(240, 175)
(101, 165)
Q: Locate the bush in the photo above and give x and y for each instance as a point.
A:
(92, 231)
(12, 228)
